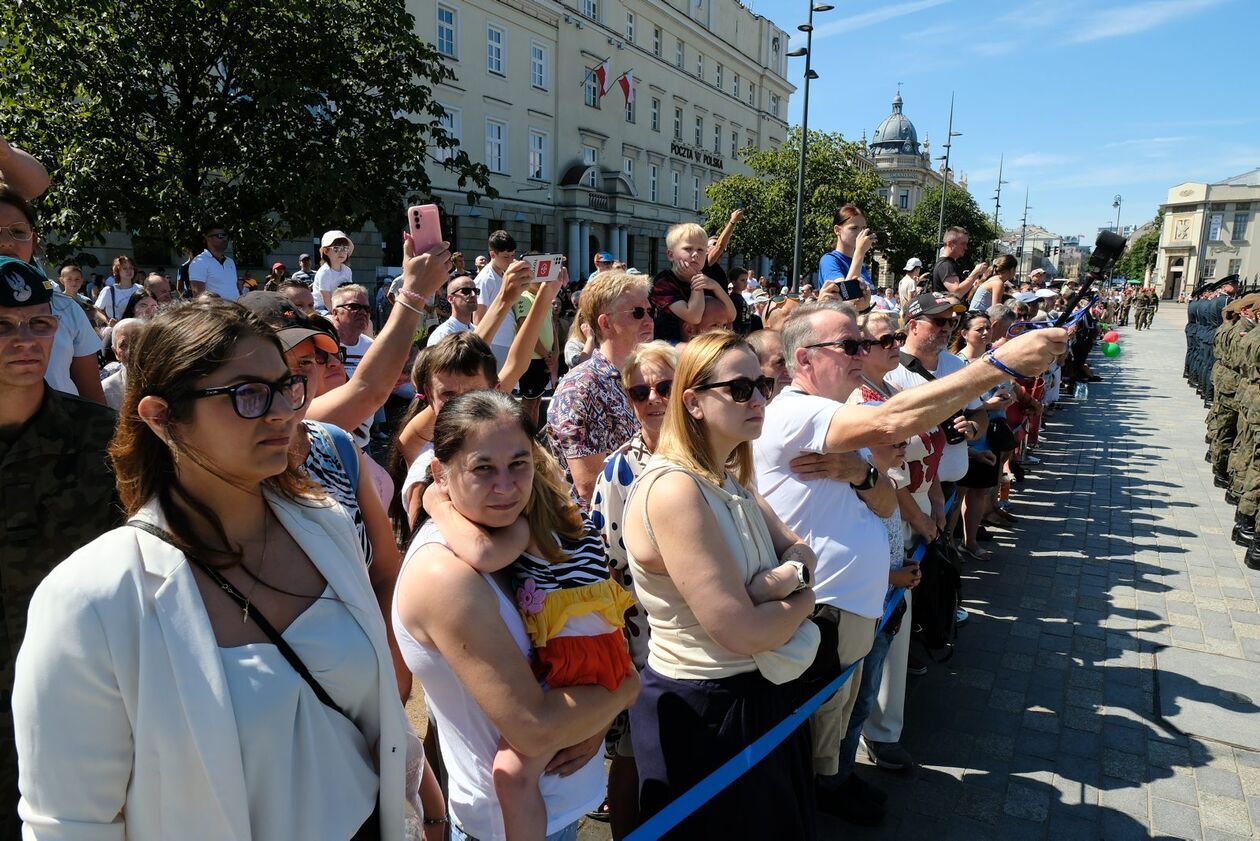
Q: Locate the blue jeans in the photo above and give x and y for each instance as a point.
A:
(868, 691)
(569, 833)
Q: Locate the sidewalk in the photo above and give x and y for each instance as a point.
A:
(1046, 723)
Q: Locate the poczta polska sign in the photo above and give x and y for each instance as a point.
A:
(700, 156)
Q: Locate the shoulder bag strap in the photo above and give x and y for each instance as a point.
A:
(253, 613)
(912, 363)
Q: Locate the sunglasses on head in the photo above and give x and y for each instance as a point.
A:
(741, 388)
(640, 393)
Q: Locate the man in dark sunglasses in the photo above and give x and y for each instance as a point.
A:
(212, 270)
(56, 471)
(462, 292)
(351, 315)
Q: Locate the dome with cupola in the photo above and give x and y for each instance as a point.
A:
(896, 134)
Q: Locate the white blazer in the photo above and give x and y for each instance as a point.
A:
(123, 718)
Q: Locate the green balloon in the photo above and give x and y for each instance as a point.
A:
(1111, 349)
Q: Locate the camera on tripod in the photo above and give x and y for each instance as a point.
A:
(1107, 250)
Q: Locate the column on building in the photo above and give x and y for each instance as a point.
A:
(623, 244)
(575, 250)
(585, 266)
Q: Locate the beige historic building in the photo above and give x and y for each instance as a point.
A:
(1208, 233)
(901, 161)
(602, 121)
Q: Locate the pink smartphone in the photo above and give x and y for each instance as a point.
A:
(426, 227)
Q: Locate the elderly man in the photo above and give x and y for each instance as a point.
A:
(159, 286)
(121, 338)
(768, 345)
(59, 488)
(351, 315)
(808, 431)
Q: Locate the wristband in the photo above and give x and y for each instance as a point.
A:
(436, 821)
(1010, 372)
(415, 296)
(408, 306)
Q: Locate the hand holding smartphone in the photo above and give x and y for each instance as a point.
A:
(546, 266)
(425, 227)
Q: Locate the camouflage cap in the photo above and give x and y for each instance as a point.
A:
(22, 285)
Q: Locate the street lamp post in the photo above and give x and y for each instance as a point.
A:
(810, 75)
(950, 134)
(997, 206)
(1023, 233)
(1116, 202)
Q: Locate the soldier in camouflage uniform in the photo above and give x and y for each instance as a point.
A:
(1244, 479)
(58, 485)
(1223, 418)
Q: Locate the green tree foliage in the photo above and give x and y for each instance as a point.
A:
(1141, 252)
(277, 117)
(961, 210)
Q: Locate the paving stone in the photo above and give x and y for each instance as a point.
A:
(979, 804)
(1027, 802)
(1218, 781)
(1224, 813)
(1176, 819)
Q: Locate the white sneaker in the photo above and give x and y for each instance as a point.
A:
(961, 616)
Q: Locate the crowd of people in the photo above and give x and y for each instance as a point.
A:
(622, 516)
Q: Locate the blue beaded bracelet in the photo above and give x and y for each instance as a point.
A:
(1010, 372)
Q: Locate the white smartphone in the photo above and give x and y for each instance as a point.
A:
(546, 266)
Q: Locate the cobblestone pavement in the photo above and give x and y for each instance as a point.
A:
(1044, 725)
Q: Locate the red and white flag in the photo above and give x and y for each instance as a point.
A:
(601, 72)
(627, 86)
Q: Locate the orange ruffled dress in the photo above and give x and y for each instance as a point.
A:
(574, 613)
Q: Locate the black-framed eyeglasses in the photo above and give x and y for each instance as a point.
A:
(637, 313)
(887, 342)
(741, 388)
(354, 307)
(640, 393)
(467, 290)
(41, 326)
(321, 356)
(253, 399)
(850, 347)
(219, 235)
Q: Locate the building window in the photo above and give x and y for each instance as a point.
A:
(700, 65)
(774, 104)
(1235, 266)
(496, 145)
(717, 80)
(590, 157)
(903, 200)
(680, 55)
(717, 139)
(591, 90)
(538, 65)
(699, 131)
(630, 110)
(678, 124)
(656, 41)
(653, 188)
(737, 86)
(447, 21)
(695, 193)
(590, 8)
(674, 184)
(537, 155)
(627, 167)
(1209, 269)
(656, 114)
(538, 238)
(752, 94)
(494, 49)
(630, 27)
(450, 120)
(734, 143)
(1240, 227)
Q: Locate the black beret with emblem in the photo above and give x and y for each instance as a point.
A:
(23, 285)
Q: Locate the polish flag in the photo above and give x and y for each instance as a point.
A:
(627, 86)
(601, 75)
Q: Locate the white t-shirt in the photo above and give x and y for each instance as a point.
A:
(850, 541)
(113, 300)
(327, 279)
(417, 473)
(906, 289)
(354, 353)
(449, 327)
(219, 278)
(954, 460)
(74, 337)
(489, 282)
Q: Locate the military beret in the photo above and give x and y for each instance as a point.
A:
(22, 285)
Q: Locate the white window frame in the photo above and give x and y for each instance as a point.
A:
(1239, 232)
(453, 28)
(631, 110)
(590, 91)
(903, 199)
(752, 94)
(539, 154)
(590, 158)
(700, 65)
(590, 8)
(502, 163)
(734, 144)
(699, 132)
(538, 65)
(678, 117)
(496, 53)
(1209, 269)
(717, 80)
(1235, 266)
(656, 41)
(737, 86)
(656, 114)
(695, 192)
(774, 104)
(453, 120)
(654, 173)
(627, 168)
(675, 179)
(680, 57)
(630, 27)
(717, 138)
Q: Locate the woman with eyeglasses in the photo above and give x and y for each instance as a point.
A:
(721, 659)
(219, 668)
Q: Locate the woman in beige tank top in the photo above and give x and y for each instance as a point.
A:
(726, 589)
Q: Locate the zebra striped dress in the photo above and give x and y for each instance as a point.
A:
(323, 465)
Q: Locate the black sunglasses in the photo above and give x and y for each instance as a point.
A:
(638, 313)
(253, 399)
(886, 342)
(741, 388)
(467, 290)
(851, 347)
(939, 321)
(640, 393)
(219, 235)
(353, 307)
(321, 356)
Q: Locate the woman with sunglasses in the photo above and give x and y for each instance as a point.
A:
(335, 249)
(73, 366)
(221, 664)
(721, 660)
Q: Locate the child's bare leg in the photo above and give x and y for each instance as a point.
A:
(516, 785)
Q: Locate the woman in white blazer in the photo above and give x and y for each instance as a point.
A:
(149, 702)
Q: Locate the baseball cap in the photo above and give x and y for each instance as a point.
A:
(604, 257)
(23, 285)
(291, 326)
(1046, 293)
(277, 265)
(1026, 297)
(932, 303)
(330, 237)
(302, 257)
(913, 263)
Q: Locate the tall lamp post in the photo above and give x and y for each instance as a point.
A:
(997, 206)
(1116, 202)
(1023, 234)
(810, 75)
(950, 134)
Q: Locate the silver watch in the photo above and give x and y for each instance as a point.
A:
(802, 574)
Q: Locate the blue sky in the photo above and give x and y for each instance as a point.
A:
(1086, 98)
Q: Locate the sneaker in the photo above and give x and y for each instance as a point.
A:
(890, 756)
(961, 616)
(849, 803)
(915, 666)
(1031, 459)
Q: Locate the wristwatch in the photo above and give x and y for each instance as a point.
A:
(802, 574)
(872, 477)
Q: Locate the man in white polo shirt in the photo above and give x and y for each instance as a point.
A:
(489, 281)
(839, 515)
(212, 270)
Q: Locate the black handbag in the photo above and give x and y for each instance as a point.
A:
(936, 600)
(1000, 438)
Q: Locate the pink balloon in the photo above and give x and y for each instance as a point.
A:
(1111, 336)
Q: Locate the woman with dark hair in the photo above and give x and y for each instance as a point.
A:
(497, 491)
(705, 551)
(219, 667)
(854, 240)
(142, 305)
(72, 366)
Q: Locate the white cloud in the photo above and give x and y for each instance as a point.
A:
(1145, 141)
(871, 18)
(1138, 17)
